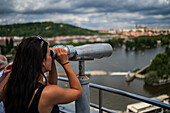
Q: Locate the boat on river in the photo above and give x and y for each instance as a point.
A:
(130, 76)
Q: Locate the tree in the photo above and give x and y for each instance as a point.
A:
(129, 44)
(161, 64)
(6, 48)
(165, 40)
(151, 78)
(11, 43)
(113, 42)
(157, 66)
(163, 57)
(167, 51)
(12, 51)
(2, 49)
(5, 51)
(120, 41)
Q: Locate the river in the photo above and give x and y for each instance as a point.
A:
(121, 61)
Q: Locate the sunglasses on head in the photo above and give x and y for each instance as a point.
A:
(42, 40)
(42, 44)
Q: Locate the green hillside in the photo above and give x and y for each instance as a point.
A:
(45, 29)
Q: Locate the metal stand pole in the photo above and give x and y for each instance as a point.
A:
(83, 103)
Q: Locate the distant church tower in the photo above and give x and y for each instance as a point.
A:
(136, 26)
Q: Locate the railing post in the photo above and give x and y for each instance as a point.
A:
(100, 101)
(83, 103)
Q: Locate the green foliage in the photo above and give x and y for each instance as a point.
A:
(129, 44)
(147, 41)
(115, 42)
(164, 58)
(3, 50)
(45, 29)
(165, 40)
(157, 66)
(7, 48)
(121, 41)
(11, 43)
(151, 78)
(12, 51)
(161, 64)
(167, 51)
(7, 45)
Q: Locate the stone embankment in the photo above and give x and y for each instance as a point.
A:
(162, 82)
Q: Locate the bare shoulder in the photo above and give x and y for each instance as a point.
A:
(52, 90)
(51, 93)
(54, 94)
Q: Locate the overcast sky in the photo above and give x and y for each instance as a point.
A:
(92, 14)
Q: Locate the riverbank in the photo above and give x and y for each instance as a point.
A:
(162, 82)
(98, 73)
(141, 75)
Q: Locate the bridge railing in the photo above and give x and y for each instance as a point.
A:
(119, 92)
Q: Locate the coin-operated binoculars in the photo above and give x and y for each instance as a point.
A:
(82, 53)
(86, 52)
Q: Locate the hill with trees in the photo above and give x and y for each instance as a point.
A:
(45, 29)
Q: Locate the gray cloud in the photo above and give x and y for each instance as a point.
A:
(6, 6)
(88, 13)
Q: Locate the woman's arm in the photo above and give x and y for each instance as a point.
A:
(2, 84)
(73, 80)
(54, 94)
(4, 79)
(52, 77)
(62, 58)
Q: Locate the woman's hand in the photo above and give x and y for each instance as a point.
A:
(61, 55)
(7, 69)
(4, 79)
(58, 95)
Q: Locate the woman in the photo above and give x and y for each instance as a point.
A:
(25, 91)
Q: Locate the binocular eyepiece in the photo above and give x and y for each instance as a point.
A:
(86, 52)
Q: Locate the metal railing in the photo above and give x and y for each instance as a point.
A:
(119, 92)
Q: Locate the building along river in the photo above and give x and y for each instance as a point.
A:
(121, 61)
